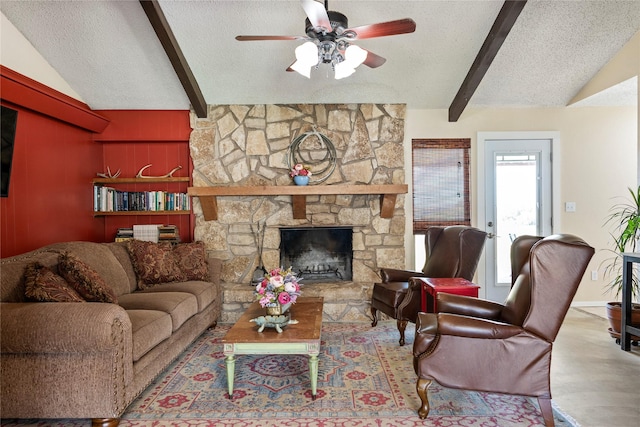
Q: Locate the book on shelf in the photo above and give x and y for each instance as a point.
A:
(109, 199)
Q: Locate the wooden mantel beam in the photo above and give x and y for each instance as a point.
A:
(208, 201)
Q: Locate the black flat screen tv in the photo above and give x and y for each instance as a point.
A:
(9, 120)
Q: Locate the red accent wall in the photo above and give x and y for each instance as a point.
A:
(58, 152)
(137, 138)
(49, 193)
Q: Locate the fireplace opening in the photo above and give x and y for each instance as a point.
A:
(318, 254)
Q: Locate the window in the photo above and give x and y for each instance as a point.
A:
(440, 183)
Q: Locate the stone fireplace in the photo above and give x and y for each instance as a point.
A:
(247, 145)
(318, 254)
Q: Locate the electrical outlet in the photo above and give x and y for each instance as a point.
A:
(594, 275)
(570, 206)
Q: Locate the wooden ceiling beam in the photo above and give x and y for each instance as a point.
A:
(172, 49)
(501, 27)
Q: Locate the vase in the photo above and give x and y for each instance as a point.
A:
(301, 179)
(276, 309)
(614, 314)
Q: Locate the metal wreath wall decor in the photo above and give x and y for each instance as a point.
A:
(313, 149)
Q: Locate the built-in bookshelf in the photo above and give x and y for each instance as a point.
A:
(110, 198)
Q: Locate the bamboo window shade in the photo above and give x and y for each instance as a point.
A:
(440, 183)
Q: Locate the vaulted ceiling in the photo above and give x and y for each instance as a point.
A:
(108, 52)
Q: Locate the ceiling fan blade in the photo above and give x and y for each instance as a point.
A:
(373, 60)
(317, 14)
(391, 28)
(255, 38)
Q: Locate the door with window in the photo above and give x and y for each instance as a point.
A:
(517, 188)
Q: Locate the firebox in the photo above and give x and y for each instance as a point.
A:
(318, 254)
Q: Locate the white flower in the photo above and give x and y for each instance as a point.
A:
(276, 281)
(289, 287)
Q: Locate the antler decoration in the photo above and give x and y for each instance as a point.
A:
(108, 174)
(168, 175)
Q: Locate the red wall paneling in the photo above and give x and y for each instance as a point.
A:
(49, 193)
(145, 126)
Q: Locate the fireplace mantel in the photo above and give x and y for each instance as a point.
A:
(208, 201)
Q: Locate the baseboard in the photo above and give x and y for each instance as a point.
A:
(589, 303)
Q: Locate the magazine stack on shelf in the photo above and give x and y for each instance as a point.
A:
(146, 232)
(124, 234)
(168, 233)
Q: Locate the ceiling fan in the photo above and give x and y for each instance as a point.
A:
(328, 40)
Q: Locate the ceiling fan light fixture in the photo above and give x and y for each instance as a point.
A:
(354, 56)
(342, 70)
(328, 40)
(306, 57)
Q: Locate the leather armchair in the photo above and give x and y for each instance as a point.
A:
(452, 251)
(482, 345)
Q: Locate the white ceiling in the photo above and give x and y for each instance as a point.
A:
(109, 54)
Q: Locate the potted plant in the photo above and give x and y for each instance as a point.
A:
(625, 218)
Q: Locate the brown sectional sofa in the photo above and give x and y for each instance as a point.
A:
(91, 359)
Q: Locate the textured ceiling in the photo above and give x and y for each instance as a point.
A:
(109, 54)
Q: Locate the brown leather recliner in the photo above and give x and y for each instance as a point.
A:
(475, 344)
(451, 251)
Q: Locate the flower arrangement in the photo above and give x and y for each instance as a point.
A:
(278, 286)
(300, 170)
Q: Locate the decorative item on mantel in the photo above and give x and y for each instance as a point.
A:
(278, 290)
(300, 174)
(308, 149)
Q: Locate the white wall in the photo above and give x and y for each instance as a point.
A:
(18, 54)
(598, 161)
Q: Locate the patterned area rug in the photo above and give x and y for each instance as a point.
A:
(364, 379)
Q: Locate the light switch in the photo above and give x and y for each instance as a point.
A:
(570, 206)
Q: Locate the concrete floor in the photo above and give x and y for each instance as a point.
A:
(592, 379)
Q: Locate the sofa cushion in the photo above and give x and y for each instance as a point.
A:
(12, 287)
(192, 261)
(85, 280)
(99, 258)
(154, 263)
(120, 251)
(180, 305)
(42, 284)
(205, 292)
(149, 328)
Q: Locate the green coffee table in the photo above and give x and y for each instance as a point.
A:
(300, 338)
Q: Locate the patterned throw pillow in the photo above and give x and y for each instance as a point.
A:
(154, 263)
(85, 280)
(42, 284)
(192, 260)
